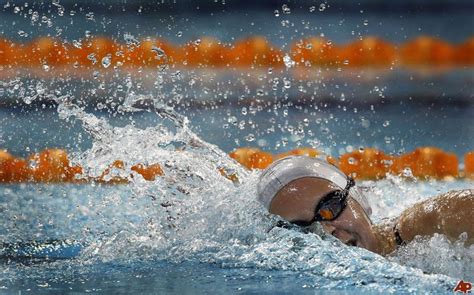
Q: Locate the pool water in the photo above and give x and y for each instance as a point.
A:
(192, 230)
(195, 230)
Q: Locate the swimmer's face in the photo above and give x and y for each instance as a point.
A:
(298, 200)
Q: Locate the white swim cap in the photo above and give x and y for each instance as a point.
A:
(285, 170)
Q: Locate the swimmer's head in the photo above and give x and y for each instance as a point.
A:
(294, 187)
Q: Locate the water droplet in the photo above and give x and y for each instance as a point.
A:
(159, 52)
(366, 22)
(285, 9)
(250, 137)
(351, 161)
(232, 120)
(92, 58)
(365, 123)
(312, 9)
(322, 7)
(179, 34)
(35, 16)
(276, 12)
(289, 63)
(90, 16)
(407, 172)
(106, 61)
(386, 123)
(33, 163)
(77, 44)
(22, 33)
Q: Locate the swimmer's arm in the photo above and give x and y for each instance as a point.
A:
(450, 214)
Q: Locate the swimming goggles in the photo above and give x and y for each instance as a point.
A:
(330, 206)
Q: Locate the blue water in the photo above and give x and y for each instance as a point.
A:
(337, 25)
(193, 231)
(112, 247)
(393, 127)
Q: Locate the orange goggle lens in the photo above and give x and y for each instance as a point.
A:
(326, 214)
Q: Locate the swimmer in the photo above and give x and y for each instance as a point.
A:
(304, 190)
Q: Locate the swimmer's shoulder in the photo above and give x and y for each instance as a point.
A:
(449, 213)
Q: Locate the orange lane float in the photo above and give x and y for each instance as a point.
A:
(369, 51)
(252, 158)
(148, 172)
(465, 52)
(315, 51)
(45, 51)
(368, 163)
(426, 162)
(426, 50)
(13, 54)
(469, 164)
(255, 51)
(95, 52)
(6, 52)
(152, 52)
(305, 151)
(115, 173)
(12, 169)
(205, 51)
(52, 165)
